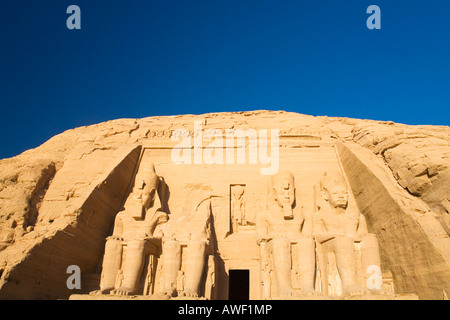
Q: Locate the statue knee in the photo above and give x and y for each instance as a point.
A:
(370, 254)
(369, 240)
(197, 246)
(135, 246)
(344, 244)
(306, 242)
(170, 246)
(280, 244)
(113, 244)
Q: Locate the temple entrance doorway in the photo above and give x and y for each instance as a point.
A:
(239, 281)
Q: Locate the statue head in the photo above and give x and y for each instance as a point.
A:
(146, 184)
(335, 190)
(283, 189)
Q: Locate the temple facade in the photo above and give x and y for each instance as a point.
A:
(228, 232)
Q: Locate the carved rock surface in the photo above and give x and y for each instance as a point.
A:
(58, 201)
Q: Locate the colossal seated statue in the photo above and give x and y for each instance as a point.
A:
(338, 228)
(133, 227)
(279, 229)
(187, 236)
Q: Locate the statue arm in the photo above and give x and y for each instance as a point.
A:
(118, 226)
(262, 228)
(307, 223)
(362, 226)
(321, 233)
(159, 217)
(203, 217)
(319, 225)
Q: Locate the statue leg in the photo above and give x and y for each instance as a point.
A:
(171, 264)
(195, 265)
(111, 265)
(371, 262)
(346, 264)
(132, 268)
(307, 265)
(281, 255)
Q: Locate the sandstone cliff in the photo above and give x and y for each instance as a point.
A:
(58, 201)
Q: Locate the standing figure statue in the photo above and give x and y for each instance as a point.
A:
(238, 207)
(278, 229)
(210, 285)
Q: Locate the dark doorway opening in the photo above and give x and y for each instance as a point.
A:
(239, 284)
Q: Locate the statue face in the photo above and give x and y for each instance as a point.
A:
(338, 196)
(284, 192)
(148, 195)
(145, 191)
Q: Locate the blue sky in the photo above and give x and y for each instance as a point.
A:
(134, 59)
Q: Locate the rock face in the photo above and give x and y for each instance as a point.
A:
(297, 207)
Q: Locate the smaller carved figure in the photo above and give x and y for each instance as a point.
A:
(149, 279)
(180, 282)
(119, 279)
(238, 207)
(210, 285)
